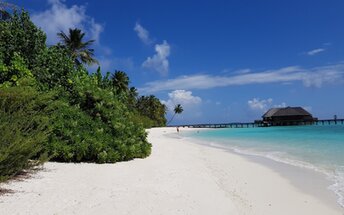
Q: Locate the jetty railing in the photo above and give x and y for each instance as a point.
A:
(258, 123)
(329, 121)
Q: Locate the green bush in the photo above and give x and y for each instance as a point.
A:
(53, 68)
(23, 131)
(91, 124)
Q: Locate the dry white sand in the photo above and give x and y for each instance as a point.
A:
(179, 177)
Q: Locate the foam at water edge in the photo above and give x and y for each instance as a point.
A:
(338, 186)
(336, 176)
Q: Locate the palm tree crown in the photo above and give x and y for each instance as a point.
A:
(79, 50)
(120, 81)
(178, 109)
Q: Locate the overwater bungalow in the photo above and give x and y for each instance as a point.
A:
(287, 116)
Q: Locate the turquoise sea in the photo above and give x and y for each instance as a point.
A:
(316, 147)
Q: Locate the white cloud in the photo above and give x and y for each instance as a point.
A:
(312, 77)
(159, 61)
(59, 17)
(142, 33)
(315, 51)
(183, 97)
(243, 71)
(282, 105)
(263, 105)
(95, 30)
(259, 105)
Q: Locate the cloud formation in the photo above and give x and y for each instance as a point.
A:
(183, 97)
(59, 17)
(315, 51)
(282, 105)
(259, 105)
(262, 105)
(311, 77)
(143, 34)
(159, 62)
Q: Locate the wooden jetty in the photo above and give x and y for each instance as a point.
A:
(259, 123)
(329, 121)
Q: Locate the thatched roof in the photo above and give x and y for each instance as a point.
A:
(287, 111)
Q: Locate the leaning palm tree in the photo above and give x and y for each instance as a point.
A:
(178, 109)
(78, 49)
(120, 81)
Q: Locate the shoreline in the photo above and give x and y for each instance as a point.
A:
(179, 177)
(307, 178)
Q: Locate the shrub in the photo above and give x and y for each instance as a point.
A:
(23, 131)
(53, 68)
(90, 124)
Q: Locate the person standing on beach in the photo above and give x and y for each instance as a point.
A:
(178, 129)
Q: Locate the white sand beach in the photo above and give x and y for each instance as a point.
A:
(180, 177)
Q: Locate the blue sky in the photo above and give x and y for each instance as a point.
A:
(224, 61)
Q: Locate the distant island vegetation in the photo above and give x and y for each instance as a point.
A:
(53, 108)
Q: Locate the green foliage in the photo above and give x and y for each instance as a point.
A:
(91, 124)
(19, 35)
(23, 130)
(151, 107)
(77, 49)
(16, 73)
(120, 82)
(53, 68)
(22, 47)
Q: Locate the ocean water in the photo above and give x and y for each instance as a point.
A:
(316, 147)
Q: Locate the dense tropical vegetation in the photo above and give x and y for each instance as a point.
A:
(51, 107)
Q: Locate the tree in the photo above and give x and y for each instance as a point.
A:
(132, 99)
(178, 109)
(120, 81)
(79, 51)
(133, 92)
(19, 35)
(151, 107)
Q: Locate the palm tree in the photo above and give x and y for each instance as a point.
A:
(178, 109)
(133, 96)
(120, 81)
(79, 50)
(151, 107)
(133, 92)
